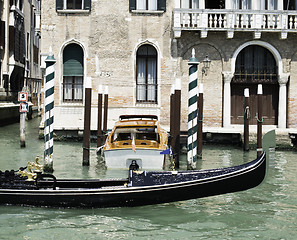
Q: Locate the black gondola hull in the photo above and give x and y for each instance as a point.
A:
(141, 189)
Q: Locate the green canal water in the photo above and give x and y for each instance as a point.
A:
(268, 211)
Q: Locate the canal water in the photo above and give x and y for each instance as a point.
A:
(268, 211)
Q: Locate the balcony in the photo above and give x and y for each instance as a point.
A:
(230, 20)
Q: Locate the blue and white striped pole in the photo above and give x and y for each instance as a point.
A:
(49, 112)
(192, 111)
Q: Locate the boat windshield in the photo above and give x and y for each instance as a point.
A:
(139, 133)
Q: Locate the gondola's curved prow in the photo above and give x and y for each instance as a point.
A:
(198, 184)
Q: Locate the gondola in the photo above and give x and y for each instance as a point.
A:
(140, 187)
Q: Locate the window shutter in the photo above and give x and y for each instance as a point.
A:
(11, 38)
(162, 5)
(87, 4)
(2, 33)
(59, 4)
(132, 5)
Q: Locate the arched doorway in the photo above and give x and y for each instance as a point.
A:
(255, 64)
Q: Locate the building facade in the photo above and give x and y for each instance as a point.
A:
(20, 51)
(138, 48)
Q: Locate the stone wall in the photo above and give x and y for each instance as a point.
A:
(110, 35)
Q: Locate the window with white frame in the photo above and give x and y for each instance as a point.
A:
(147, 5)
(73, 73)
(242, 4)
(267, 4)
(189, 4)
(146, 74)
(73, 4)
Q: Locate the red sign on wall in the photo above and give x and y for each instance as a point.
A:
(23, 97)
(24, 107)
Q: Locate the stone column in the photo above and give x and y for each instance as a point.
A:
(282, 102)
(227, 77)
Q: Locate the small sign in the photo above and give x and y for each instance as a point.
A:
(23, 97)
(24, 107)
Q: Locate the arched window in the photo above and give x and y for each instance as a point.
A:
(146, 78)
(73, 72)
(255, 65)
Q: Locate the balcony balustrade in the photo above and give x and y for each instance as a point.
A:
(256, 21)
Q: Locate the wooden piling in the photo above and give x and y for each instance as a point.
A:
(259, 121)
(22, 130)
(87, 123)
(172, 117)
(200, 122)
(105, 113)
(99, 119)
(246, 146)
(175, 108)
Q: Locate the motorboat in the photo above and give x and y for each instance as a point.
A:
(136, 141)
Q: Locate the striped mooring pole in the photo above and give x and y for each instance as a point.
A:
(49, 112)
(192, 111)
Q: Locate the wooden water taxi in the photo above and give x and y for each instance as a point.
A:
(136, 141)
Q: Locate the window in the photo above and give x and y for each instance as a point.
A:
(255, 64)
(189, 4)
(146, 79)
(242, 4)
(73, 73)
(73, 4)
(147, 5)
(215, 4)
(267, 5)
(290, 5)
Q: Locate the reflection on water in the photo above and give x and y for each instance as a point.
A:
(265, 212)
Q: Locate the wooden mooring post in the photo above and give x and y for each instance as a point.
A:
(87, 122)
(175, 108)
(99, 119)
(24, 108)
(22, 130)
(246, 146)
(200, 122)
(259, 120)
(105, 113)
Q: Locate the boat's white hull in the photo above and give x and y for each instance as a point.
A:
(147, 159)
